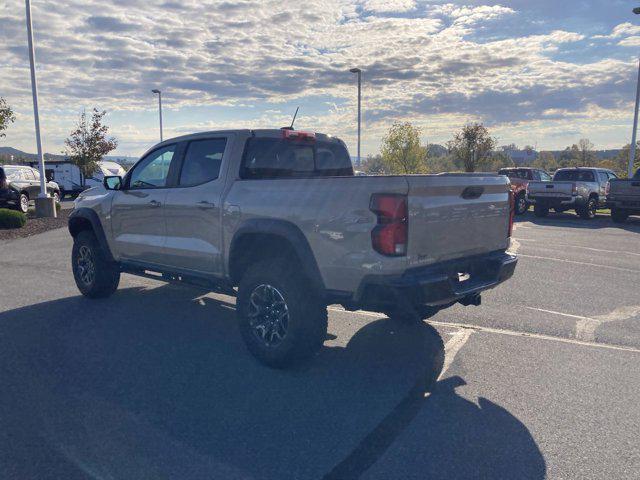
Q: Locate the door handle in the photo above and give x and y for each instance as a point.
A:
(154, 203)
(206, 205)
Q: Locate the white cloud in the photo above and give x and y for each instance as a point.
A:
(421, 62)
(380, 6)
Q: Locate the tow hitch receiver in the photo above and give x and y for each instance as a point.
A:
(475, 300)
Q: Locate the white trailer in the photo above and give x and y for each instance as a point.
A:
(68, 176)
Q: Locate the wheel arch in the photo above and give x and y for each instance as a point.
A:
(85, 219)
(257, 239)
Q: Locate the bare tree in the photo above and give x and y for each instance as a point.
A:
(88, 143)
(586, 156)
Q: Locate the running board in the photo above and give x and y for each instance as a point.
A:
(179, 278)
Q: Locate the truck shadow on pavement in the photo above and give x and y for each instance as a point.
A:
(156, 383)
(570, 220)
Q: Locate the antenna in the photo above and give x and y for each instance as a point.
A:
(294, 118)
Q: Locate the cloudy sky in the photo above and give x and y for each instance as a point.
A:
(542, 72)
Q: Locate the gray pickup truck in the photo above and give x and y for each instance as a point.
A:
(582, 189)
(623, 198)
(278, 219)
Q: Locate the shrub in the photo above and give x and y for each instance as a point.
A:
(12, 218)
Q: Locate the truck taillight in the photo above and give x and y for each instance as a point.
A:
(512, 212)
(607, 189)
(390, 236)
(289, 134)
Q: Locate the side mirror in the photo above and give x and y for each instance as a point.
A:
(113, 182)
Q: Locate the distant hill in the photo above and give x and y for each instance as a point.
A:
(7, 152)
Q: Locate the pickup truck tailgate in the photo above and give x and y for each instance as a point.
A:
(456, 215)
(550, 189)
(625, 188)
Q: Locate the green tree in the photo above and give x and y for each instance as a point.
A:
(88, 143)
(374, 165)
(472, 146)
(546, 161)
(6, 116)
(498, 160)
(621, 161)
(401, 150)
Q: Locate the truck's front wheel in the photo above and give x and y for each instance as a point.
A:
(95, 275)
(282, 320)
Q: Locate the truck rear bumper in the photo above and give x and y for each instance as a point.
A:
(560, 201)
(631, 205)
(437, 285)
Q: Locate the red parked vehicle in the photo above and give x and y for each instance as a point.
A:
(520, 178)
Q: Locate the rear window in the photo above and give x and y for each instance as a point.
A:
(574, 176)
(279, 158)
(518, 173)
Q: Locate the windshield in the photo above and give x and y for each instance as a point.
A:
(637, 175)
(12, 173)
(574, 176)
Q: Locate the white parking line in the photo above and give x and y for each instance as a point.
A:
(514, 333)
(575, 262)
(537, 336)
(452, 347)
(566, 245)
(586, 326)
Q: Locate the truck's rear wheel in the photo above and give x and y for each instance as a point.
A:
(521, 204)
(588, 212)
(95, 275)
(618, 215)
(282, 320)
(540, 211)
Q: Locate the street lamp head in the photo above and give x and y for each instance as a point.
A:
(636, 10)
(355, 70)
(155, 90)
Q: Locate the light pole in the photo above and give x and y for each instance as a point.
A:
(632, 150)
(155, 90)
(359, 72)
(43, 207)
(34, 92)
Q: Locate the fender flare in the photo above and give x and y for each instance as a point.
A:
(290, 233)
(77, 222)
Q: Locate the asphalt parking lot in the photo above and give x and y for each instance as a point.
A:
(541, 381)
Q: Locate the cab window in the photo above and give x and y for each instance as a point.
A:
(278, 158)
(202, 161)
(153, 170)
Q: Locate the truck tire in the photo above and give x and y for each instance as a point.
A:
(521, 204)
(540, 211)
(588, 212)
(95, 275)
(618, 215)
(281, 318)
(23, 203)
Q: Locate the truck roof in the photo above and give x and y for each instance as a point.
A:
(259, 132)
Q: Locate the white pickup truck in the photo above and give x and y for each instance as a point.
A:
(278, 219)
